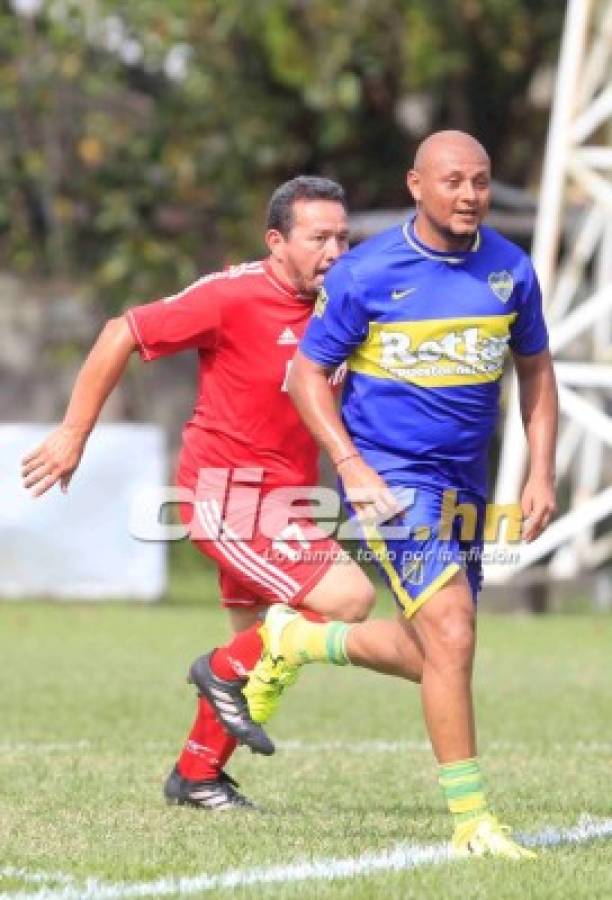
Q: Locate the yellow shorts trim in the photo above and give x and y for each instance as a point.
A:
(378, 546)
(434, 587)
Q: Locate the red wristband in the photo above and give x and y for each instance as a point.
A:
(344, 459)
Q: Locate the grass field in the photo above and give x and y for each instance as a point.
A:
(94, 710)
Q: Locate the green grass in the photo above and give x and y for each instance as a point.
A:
(95, 708)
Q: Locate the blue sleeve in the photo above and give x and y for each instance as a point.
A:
(528, 334)
(339, 323)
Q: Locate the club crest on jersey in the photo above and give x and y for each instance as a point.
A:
(413, 571)
(320, 303)
(502, 285)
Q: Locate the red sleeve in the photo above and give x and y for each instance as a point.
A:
(188, 320)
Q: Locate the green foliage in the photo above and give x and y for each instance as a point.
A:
(118, 174)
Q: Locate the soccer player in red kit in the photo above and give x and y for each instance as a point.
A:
(245, 324)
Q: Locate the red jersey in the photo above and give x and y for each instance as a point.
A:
(245, 325)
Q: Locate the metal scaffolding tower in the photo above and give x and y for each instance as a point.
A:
(575, 270)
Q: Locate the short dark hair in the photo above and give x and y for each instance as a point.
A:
(304, 187)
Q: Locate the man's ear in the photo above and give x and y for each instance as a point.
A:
(413, 183)
(275, 243)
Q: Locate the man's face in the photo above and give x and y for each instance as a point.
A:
(452, 192)
(318, 236)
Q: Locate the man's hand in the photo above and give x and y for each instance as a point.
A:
(538, 506)
(59, 455)
(54, 460)
(368, 494)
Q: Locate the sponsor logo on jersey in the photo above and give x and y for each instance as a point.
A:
(502, 285)
(287, 337)
(402, 293)
(320, 303)
(435, 352)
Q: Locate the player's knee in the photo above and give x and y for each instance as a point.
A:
(359, 595)
(353, 604)
(458, 635)
(361, 602)
(454, 638)
(344, 593)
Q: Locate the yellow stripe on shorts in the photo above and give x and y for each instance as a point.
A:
(378, 546)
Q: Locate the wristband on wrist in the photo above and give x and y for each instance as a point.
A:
(344, 459)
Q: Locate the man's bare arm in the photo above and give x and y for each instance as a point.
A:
(59, 455)
(539, 410)
(313, 397)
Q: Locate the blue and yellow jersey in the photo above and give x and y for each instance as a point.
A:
(425, 335)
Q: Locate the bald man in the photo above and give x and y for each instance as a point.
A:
(423, 315)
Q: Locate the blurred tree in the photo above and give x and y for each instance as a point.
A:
(140, 141)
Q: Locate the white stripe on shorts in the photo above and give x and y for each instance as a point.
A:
(225, 547)
(230, 552)
(248, 551)
(213, 527)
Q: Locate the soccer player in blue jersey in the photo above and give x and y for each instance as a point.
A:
(423, 314)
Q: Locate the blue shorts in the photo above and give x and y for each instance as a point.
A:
(418, 552)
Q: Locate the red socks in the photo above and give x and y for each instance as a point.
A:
(208, 746)
(236, 659)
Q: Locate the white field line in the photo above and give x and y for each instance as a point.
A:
(301, 746)
(397, 859)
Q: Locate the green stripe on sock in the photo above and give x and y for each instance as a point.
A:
(336, 643)
(462, 785)
(461, 790)
(452, 770)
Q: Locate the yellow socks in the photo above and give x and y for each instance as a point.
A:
(305, 642)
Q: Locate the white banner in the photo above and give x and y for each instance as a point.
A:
(78, 545)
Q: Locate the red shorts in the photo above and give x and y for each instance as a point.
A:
(262, 557)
